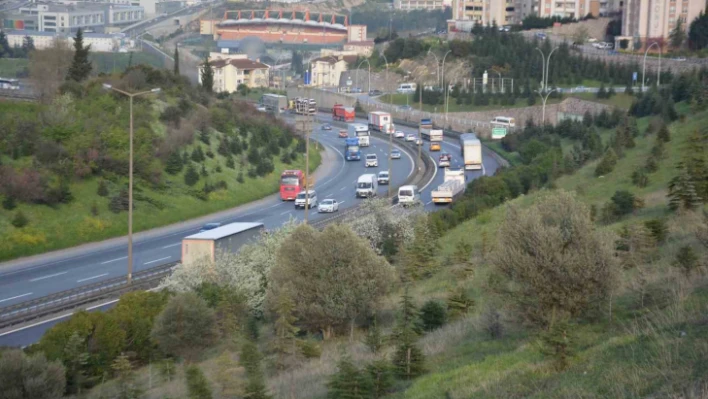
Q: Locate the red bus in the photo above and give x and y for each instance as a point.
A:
(291, 183)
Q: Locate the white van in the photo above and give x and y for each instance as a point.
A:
(366, 186)
(406, 88)
(408, 195)
(302, 199)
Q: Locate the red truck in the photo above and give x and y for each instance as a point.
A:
(342, 113)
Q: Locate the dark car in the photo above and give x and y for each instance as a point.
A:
(326, 126)
(375, 93)
(209, 226)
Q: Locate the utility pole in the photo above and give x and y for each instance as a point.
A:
(303, 122)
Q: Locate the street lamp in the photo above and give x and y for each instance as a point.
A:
(130, 174)
(390, 137)
(501, 80)
(644, 65)
(357, 74)
(545, 62)
(437, 64)
(446, 88)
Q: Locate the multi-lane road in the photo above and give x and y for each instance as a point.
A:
(38, 276)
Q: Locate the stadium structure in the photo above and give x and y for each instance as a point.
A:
(287, 27)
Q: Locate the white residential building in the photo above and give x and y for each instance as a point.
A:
(100, 42)
(233, 70)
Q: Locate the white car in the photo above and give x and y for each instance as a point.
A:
(328, 206)
(372, 160)
(383, 178)
(395, 153)
(410, 137)
(301, 200)
(399, 134)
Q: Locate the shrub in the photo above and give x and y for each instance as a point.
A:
(94, 209)
(658, 229)
(686, 259)
(607, 164)
(210, 153)
(493, 323)
(119, 202)
(191, 177)
(624, 202)
(9, 203)
(252, 173)
(203, 172)
(640, 178)
(663, 135)
(433, 315)
(185, 327)
(197, 384)
(239, 177)
(310, 349)
(30, 377)
(230, 162)
(102, 189)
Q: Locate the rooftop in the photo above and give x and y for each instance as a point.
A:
(224, 231)
(244, 64)
(331, 59)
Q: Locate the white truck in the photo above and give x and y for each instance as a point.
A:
(471, 151)
(379, 120)
(431, 134)
(453, 186)
(360, 131)
(366, 186)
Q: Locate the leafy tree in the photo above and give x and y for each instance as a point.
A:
(20, 220)
(81, 67)
(578, 269)
(251, 361)
(558, 344)
(207, 75)
(348, 382)
(102, 189)
(174, 163)
(381, 377)
(191, 177)
(433, 315)
(197, 384)
(686, 259)
(176, 66)
(677, 35)
(408, 359)
(607, 164)
(128, 388)
(30, 376)
(333, 276)
(185, 327)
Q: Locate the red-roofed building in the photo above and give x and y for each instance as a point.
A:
(232, 70)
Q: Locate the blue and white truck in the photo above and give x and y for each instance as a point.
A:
(351, 149)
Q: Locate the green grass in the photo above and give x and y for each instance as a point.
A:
(584, 82)
(400, 99)
(73, 224)
(619, 100)
(103, 63)
(10, 67)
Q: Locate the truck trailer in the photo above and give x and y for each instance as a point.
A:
(453, 186)
(342, 113)
(471, 151)
(379, 121)
(275, 103)
(208, 245)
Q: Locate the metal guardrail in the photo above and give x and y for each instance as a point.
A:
(73, 298)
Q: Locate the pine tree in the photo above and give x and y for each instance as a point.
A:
(203, 171)
(174, 164)
(230, 162)
(9, 203)
(419, 256)
(682, 192)
(663, 133)
(229, 376)
(558, 344)
(251, 362)
(19, 220)
(207, 76)
(102, 189)
(81, 67)
(374, 340)
(381, 377)
(607, 164)
(285, 342)
(459, 303)
(408, 359)
(5, 50)
(127, 387)
(348, 382)
(75, 360)
(176, 57)
(197, 384)
(686, 259)
(191, 177)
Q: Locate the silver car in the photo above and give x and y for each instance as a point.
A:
(395, 154)
(328, 206)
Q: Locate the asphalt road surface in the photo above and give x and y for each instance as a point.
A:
(61, 270)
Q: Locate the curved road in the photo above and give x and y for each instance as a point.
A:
(31, 278)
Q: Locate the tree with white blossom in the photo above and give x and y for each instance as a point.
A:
(386, 227)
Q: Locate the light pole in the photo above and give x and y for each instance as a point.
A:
(390, 135)
(446, 88)
(644, 65)
(544, 80)
(130, 174)
(368, 89)
(437, 64)
(501, 80)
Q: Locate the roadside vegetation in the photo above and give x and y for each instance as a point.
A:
(64, 160)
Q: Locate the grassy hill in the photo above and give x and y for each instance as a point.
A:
(64, 164)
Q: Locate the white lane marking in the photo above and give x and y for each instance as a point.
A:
(114, 260)
(46, 277)
(157, 260)
(15, 297)
(284, 213)
(342, 189)
(434, 174)
(172, 245)
(91, 278)
(429, 202)
(329, 195)
(484, 172)
(341, 202)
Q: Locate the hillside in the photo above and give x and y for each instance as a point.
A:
(64, 164)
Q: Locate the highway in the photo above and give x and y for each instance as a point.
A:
(35, 277)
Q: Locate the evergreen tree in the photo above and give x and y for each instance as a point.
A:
(408, 359)
(207, 76)
(558, 344)
(607, 164)
(285, 342)
(176, 57)
(27, 45)
(381, 377)
(230, 162)
(9, 203)
(698, 32)
(640, 178)
(75, 360)
(174, 164)
(197, 384)
(223, 148)
(5, 50)
(126, 384)
(251, 362)
(102, 189)
(686, 259)
(348, 382)
(191, 177)
(682, 192)
(602, 93)
(130, 61)
(419, 256)
(663, 133)
(204, 172)
(433, 315)
(677, 35)
(80, 68)
(19, 220)
(459, 303)
(374, 340)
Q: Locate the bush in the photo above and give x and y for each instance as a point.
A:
(310, 349)
(185, 327)
(9, 203)
(686, 259)
(640, 178)
(230, 162)
(493, 323)
(197, 384)
(607, 164)
(119, 202)
(210, 153)
(102, 189)
(239, 177)
(30, 377)
(191, 177)
(433, 315)
(624, 202)
(252, 173)
(658, 229)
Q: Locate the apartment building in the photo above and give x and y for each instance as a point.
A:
(327, 70)
(63, 18)
(644, 19)
(566, 8)
(408, 5)
(232, 70)
(485, 12)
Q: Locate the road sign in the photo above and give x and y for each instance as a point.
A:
(498, 133)
(634, 76)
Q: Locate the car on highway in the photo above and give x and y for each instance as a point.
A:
(383, 178)
(579, 89)
(419, 142)
(399, 134)
(301, 199)
(679, 58)
(328, 206)
(444, 160)
(540, 35)
(435, 146)
(356, 90)
(209, 226)
(377, 92)
(326, 126)
(343, 134)
(395, 154)
(372, 160)
(261, 109)
(405, 108)
(410, 137)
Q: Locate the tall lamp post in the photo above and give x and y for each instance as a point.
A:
(545, 62)
(446, 88)
(130, 173)
(437, 64)
(368, 88)
(644, 65)
(390, 136)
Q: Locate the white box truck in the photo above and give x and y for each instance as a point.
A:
(453, 186)
(378, 120)
(360, 131)
(366, 186)
(431, 134)
(471, 151)
(229, 238)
